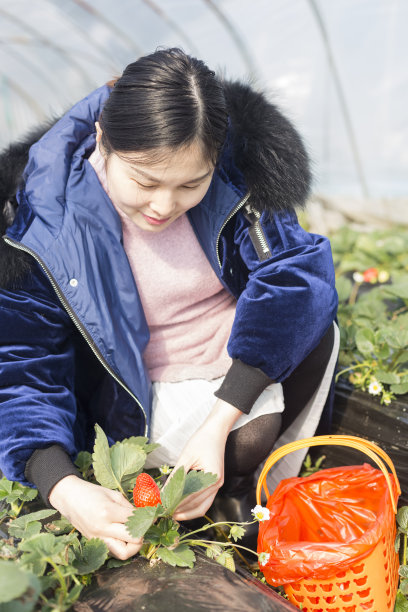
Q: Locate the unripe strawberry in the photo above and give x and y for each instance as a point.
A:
(146, 492)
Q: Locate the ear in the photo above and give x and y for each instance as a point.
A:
(98, 132)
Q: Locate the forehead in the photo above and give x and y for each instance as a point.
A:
(186, 163)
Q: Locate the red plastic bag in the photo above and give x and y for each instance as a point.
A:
(324, 523)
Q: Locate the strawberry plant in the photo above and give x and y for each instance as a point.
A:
(45, 563)
(372, 283)
(401, 602)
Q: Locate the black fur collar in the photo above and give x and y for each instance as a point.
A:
(266, 148)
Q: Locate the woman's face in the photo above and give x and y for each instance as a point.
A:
(154, 195)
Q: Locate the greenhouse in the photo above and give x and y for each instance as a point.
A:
(216, 417)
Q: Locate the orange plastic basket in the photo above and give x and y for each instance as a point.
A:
(371, 583)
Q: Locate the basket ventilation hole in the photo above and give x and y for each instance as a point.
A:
(330, 599)
(386, 566)
(296, 586)
(326, 587)
(360, 581)
(347, 597)
(343, 586)
(349, 609)
(314, 600)
(310, 587)
(299, 598)
(357, 569)
(340, 575)
(367, 605)
(388, 591)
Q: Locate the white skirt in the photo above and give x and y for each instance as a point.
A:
(180, 408)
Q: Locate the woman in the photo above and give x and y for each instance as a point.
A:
(155, 226)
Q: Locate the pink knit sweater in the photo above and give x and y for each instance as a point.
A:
(188, 311)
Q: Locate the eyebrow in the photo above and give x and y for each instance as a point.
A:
(155, 180)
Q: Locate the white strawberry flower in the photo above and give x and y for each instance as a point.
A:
(375, 387)
(358, 277)
(263, 558)
(165, 469)
(261, 513)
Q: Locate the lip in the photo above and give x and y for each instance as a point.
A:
(154, 221)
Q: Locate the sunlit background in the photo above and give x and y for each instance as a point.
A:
(338, 69)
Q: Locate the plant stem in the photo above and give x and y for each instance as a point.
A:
(354, 293)
(211, 525)
(353, 367)
(61, 579)
(193, 542)
(404, 550)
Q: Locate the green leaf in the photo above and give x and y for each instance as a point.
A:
(101, 459)
(126, 461)
(343, 286)
(236, 532)
(59, 527)
(182, 556)
(37, 549)
(403, 571)
(404, 587)
(196, 481)
(400, 290)
(388, 378)
(402, 518)
(12, 491)
(365, 341)
(118, 563)
(28, 524)
(140, 520)
(26, 602)
(401, 603)
(91, 556)
(83, 461)
(13, 581)
(172, 492)
(400, 389)
(142, 442)
(397, 543)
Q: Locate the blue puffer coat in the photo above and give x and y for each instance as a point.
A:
(72, 326)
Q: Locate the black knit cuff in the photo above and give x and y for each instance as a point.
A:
(46, 467)
(242, 385)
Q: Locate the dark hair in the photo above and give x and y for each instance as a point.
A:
(165, 100)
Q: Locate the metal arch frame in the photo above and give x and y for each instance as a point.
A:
(236, 37)
(173, 25)
(341, 96)
(84, 5)
(49, 43)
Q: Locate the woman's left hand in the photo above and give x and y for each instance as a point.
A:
(205, 451)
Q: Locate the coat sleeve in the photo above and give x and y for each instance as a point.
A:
(37, 403)
(289, 300)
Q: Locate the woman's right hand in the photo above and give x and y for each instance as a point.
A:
(96, 512)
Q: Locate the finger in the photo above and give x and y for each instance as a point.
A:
(118, 531)
(122, 550)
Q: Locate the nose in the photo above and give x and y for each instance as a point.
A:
(163, 204)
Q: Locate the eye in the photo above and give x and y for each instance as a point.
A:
(145, 186)
(190, 186)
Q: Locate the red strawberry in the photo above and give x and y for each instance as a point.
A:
(370, 275)
(146, 492)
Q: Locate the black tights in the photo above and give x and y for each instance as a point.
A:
(251, 444)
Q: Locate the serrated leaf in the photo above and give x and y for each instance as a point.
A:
(73, 594)
(118, 562)
(343, 286)
(83, 461)
(182, 556)
(402, 518)
(404, 587)
(142, 442)
(196, 481)
(126, 461)
(59, 527)
(172, 492)
(37, 549)
(401, 603)
(403, 358)
(101, 460)
(91, 556)
(398, 289)
(400, 389)
(403, 571)
(388, 378)
(6, 487)
(28, 600)
(140, 520)
(365, 341)
(13, 581)
(19, 527)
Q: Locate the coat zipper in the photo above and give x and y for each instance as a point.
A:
(232, 213)
(88, 339)
(256, 233)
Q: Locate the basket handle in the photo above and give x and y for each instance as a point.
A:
(369, 448)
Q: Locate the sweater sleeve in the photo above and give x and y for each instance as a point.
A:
(242, 385)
